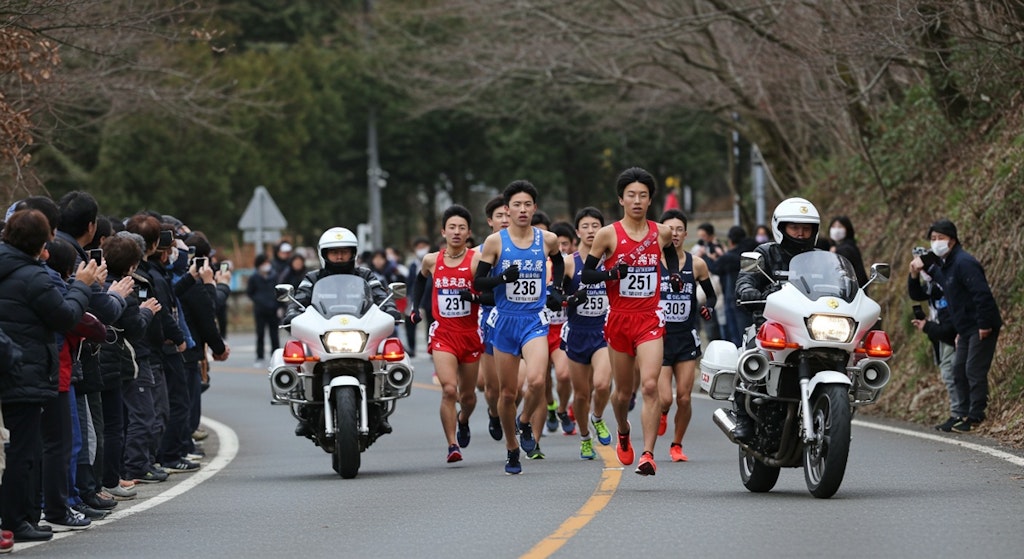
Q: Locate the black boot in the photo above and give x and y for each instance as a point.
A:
(304, 429)
(744, 430)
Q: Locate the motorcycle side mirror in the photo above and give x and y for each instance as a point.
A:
(398, 289)
(284, 292)
(879, 273)
(751, 262)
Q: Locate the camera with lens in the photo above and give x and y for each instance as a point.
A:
(920, 251)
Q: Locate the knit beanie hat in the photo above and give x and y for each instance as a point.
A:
(944, 227)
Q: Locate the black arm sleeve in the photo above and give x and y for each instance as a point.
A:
(590, 273)
(483, 281)
(709, 292)
(557, 270)
(671, 258)
(424, 302)
(418, 287)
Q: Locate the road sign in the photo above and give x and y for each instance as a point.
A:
(262, 221)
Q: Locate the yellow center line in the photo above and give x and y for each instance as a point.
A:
(596, 503)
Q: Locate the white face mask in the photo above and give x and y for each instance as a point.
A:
(940, 248)
(265, 269)
(421, 252)
(173, 256)
(761, 239)
(837, 234)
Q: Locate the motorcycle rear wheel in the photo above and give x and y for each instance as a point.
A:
(825, 457)
(757, 476)
(346, 455)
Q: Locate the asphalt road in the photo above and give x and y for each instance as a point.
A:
(264, 492)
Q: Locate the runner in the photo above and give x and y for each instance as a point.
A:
(497, 219)
(517, 256)
(635, 327)
(455, 343)
(583, 341)
(682, 342)
(558, 413)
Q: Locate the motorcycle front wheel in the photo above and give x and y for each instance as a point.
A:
(825, 456)
(757, 476)
(346, 432)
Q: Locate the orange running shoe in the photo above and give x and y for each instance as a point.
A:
(624, 450)
(663, 423)
(675, 452)
(647, 467)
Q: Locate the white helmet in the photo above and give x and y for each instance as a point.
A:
(795, 210)
(336, 237)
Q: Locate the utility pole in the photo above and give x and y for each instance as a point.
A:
(375, 176)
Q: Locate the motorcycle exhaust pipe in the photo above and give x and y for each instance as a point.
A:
(752, 366)
(283, 380)
(723, 418)
(399, 377)
(875, 374)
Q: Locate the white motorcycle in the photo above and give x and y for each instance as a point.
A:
(343, 371)
(815, 357)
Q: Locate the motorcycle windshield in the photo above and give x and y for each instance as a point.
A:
(342, 294)
(821, 273)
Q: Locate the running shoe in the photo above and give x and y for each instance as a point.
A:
(587, 450)
(663, 424)
(535, 454)
(454, 454)
(552, 422)
(647, 467)
(624, 450)
(462, 434)
(572, 415)
(568, 425)
(603, 435)
(675, 452)
(512, 464)
(494, 426)
(526, 439)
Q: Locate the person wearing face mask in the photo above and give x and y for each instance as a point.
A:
(975, 316)
(421, 248)
(845, 245)
(762, 234)
(264, 305)
(939, 329)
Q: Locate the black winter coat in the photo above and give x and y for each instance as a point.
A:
(971, 304)
(199, 302)
(32, 310)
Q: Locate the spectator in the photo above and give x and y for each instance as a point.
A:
(264, 306)
(939, 329)
(294, 272)
(727, 268)
(841, 233)
(710, 250)
(975, 316)
(384, 270)
(32, 311)
(420, 247)
(282, 256)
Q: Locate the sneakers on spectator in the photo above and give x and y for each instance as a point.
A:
(663, 423)
(675, 452)
(454, 454)
(26, 532)
(72, 520)
(120, 493)
(90, 512)
(948, 425)
(193, 457)
(126, 483)
(587, 450)
(552, 422)
(512, 464)
(966, 425)
(624, 449)
(526, 439)
(6, 541)
(647, 467)
(494, 426)
(568, 425)
(603, 435)
(535, 454)
(181, 466)
(199, 434)
(152, 476)
(462, 434)
(98, 502)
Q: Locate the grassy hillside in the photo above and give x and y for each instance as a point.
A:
(922, 169)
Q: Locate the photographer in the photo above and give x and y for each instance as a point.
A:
(938, 328)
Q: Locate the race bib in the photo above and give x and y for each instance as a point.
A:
(639, 283)
(595, 305)
(524, 290)
(450, 305)
(676, 310)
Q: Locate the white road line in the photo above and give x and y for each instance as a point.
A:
(1011, 458)
(227, 441)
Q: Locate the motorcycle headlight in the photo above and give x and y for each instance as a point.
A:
(829, 328)
(344, 341)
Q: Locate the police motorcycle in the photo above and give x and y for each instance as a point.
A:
(342, 371)
(813, 359)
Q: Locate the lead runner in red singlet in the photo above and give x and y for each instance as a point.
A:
(455, 342)
(631, 249)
